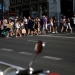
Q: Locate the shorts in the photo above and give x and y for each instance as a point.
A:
(45, 26)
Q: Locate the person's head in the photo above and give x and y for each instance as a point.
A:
(21, 20)
(64, 17)
(51, 19)
(17, 21)
(54, 17)
(43, 16)
(74, 15)
(29, 17)
(24, 17)
(16, 17)
(5, 17)
(10, 20)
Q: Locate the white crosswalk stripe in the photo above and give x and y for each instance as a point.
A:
(26, 53)
(5, 49)
(34, 41)
(52, 58)
(57, 36)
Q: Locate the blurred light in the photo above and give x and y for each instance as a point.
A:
(17, 72)
(43, 44)
(1, 73)
(31, 70)
(48, 71)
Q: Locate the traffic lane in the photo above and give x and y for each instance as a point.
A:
(61, 43)
(36, 38)
(56, 48)
(23, 61)
(17, 44)
(52, 55)
(32, 40)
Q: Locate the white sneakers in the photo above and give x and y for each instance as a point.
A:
(55, 32)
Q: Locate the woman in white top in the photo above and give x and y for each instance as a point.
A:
(51, 25)
(11, 27)
(17, 25)
(23, 30)
(69, 26)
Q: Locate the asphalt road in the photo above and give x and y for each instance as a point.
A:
(58, 55)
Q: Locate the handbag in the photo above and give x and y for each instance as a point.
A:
(8, 26)
(23, 31)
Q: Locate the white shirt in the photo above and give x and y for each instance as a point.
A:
(17, 25)
(25, 20)
(4, 22)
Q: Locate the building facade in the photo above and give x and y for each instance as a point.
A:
(35, 8)
(6, 4)
(1, 9)
(28, 8)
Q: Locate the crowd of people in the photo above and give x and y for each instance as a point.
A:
(35, 26)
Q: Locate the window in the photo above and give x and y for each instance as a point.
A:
(19, 11)
(1, 6)
(43, 9)
(34, 10)
(12, 12)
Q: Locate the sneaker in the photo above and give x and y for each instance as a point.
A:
(56, 32)
(53, 32)
(32, 35)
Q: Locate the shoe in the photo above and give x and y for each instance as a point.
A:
(56, 32)
(53, 32)
(32, 35)
(16, 36)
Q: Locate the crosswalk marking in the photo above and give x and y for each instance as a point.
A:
(52, 58)
(5, 49)
(11, 65)
(34, 41)
(31, 41)
(57, 36)
(26, 53)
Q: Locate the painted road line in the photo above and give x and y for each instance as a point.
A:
(34, 41)
(6, 49)
(31, 41)
(52, 58)
(57, 36)
(10, 65)
(26, 53)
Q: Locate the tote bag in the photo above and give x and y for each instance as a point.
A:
(23, 31)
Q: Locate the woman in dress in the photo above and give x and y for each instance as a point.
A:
(17, 26)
